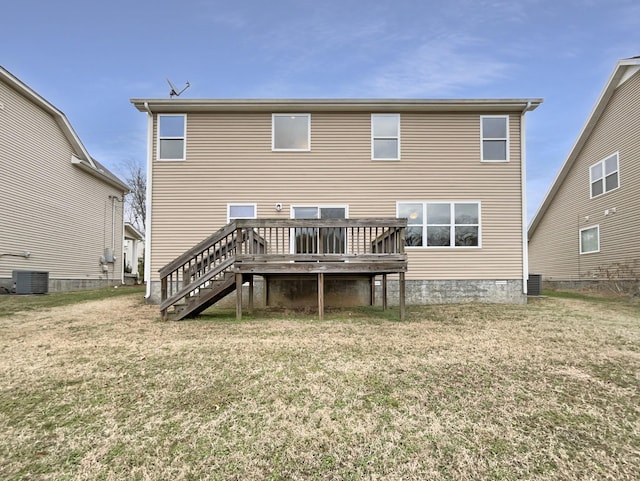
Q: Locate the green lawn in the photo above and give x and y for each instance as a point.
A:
(104, 390)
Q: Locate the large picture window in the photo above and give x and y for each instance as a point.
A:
(494, 133)
(604, 176)
(590, 239)
(441, 224)
(291, 132)
(172, 137)
(385, 136)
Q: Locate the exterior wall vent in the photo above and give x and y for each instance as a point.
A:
(31, 282)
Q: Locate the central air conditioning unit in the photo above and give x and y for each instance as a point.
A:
(30, 282)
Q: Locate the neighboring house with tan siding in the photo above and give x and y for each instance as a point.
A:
(61, 211)
(586, 227)
(453, 168)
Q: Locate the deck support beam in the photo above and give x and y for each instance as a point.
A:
(372, 282)
(384, 292)
(238, 296)
(321, 296)
(402, 295)
(250, 293)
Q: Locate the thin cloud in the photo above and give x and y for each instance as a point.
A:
(445, 66)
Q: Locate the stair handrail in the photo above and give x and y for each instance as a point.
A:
(185, 290)
(182, 259)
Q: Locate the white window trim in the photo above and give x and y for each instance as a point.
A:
(453, 225)
(482, 138)
(273, 132)
(604, 176)
(373, 138)
(242, 204)
(597, 227)
(183, 138)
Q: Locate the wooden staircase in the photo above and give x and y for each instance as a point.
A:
(204, 274)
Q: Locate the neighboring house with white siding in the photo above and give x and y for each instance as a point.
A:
(454, 169)
(133, 253)
(61, 210)
(585, 230)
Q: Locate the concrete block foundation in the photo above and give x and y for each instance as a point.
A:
(65, 285)
(355, 291)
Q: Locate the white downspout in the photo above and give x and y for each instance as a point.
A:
(122, 244)
(523, 182)
(147, 234)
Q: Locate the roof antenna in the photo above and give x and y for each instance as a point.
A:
(174, 90)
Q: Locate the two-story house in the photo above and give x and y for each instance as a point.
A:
(321, 172)
(61, 210)
(585, 229)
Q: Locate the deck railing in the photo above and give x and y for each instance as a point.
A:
(298, 239)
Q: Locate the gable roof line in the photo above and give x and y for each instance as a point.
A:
(56, 113)
(85, 160)
(615, 79)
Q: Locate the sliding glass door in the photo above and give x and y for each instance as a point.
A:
(327, 240)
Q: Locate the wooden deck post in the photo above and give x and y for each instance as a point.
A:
(163, 296)
(402, 294)
(321, 296)
(250, 293)
(372, 281)
(384, 292)
(238, 296)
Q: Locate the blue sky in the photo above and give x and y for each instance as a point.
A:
(89, 58)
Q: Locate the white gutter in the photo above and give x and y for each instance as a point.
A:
(147, 234)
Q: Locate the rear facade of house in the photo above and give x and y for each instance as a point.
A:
(585, 230)
(62, 212)
(453, 168)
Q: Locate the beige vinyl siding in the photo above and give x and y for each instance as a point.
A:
(554, 246)
(51, 208)
(229, 159)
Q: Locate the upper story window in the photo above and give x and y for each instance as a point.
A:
(494, 134)
(590, 239)
(604, 176)
(385, 136)
(441, 224)
(241, 211)
(291, 132)
(172, 136)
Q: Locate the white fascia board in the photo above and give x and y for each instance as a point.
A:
(336, 105)
(89, 169)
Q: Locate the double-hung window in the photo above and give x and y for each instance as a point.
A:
(590, 239)
(291, 132)
(385, 136)
(441, 224)
(172, 136)
(494, 134)
(604, 176)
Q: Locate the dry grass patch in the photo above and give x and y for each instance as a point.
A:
(105, 390)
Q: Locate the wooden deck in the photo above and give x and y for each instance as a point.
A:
(302, 247)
